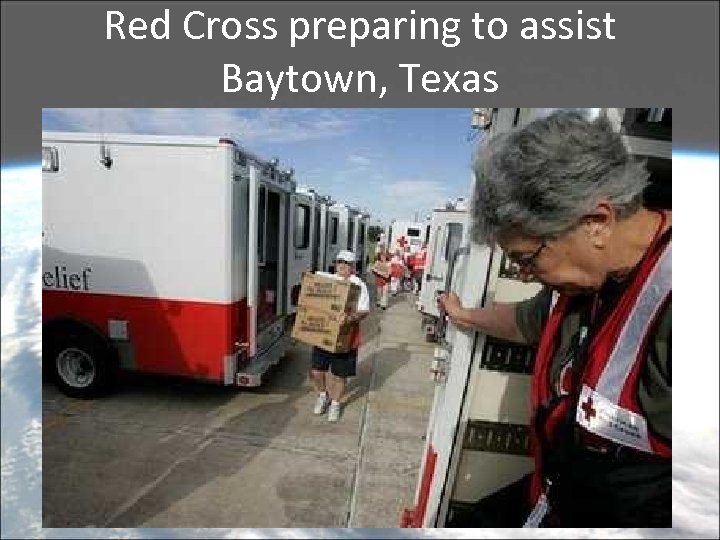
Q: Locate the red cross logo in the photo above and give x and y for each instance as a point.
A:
(588, 409)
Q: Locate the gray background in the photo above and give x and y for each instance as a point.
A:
(55, 54)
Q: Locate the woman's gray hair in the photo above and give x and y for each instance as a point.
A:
(540, 180)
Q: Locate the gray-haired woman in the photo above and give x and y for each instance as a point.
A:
(564, 200)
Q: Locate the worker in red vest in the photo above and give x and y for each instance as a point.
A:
(564, 200)
(418, 268)
(397, 270)
(409, 260)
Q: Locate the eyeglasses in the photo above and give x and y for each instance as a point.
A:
(526, 263)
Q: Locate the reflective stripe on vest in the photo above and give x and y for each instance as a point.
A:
(623, 356)
(600, 410)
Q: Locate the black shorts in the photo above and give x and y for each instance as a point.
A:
(340, 364)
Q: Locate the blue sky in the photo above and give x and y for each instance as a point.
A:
(394, 162)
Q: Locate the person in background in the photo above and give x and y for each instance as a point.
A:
(564, 200)
(419, 268)
(329, 371)
(409, 264)
(382, 283)
(397, 270)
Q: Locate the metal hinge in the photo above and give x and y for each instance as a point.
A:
(500, 438)
(440, 365)
(507, 357)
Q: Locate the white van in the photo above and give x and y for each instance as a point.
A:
(448, 225)
(173, 255)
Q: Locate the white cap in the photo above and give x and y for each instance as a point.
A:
(346, 256)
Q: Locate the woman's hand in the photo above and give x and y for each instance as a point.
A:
(450, 304)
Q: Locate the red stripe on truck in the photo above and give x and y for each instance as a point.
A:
(175, 337)
(413, 518)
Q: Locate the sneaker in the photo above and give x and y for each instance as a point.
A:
(334, 412)
(321, 403)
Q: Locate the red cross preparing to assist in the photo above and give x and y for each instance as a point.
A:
(588, 409)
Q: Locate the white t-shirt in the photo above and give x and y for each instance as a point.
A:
(364, 299)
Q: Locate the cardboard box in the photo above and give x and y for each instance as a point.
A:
(382, 269)
(322, 329)
(325, 292)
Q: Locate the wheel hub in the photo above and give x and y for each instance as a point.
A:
(75, 367)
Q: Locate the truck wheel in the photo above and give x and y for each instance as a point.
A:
(82, 363)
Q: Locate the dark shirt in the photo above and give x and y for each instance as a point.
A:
(655, 385)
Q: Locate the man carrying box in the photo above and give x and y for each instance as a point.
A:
(330, 370)
(381, 270)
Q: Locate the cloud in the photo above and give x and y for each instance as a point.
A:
(21, 480)
(412, 187)
(411, 196)
(360, 161)
(21, 197)
(248, 125)
(403, 199)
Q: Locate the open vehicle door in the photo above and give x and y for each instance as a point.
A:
(300, 247)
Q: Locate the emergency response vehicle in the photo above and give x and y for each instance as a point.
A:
(408, 234)
(318, 211)
(447, 226)
(347, 230)
(477, 440)
(170, 255)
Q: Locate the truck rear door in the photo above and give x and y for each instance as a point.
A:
(451, 370)
(445, 237)
(267, 236)
(333, 239)
(300, 248)
(490, 449)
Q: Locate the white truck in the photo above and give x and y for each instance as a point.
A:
(447, 227)
(172, 255)
(477, 441)
(319, 210)
(412, 234)
(347, 230)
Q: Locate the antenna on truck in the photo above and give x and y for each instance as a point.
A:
(105, 158)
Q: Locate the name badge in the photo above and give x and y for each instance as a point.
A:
(607, 419)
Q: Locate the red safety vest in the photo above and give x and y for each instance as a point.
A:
(396, 267)
(607, 409)
(420, 260)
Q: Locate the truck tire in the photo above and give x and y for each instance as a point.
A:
(82, 363)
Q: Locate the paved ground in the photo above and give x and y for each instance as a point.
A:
(168, 453)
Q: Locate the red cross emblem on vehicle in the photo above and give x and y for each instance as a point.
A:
(588, 409)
